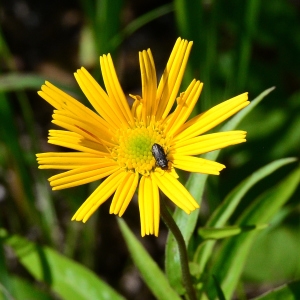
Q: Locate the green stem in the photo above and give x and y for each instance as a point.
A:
(186, 276)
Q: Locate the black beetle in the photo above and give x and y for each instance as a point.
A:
(160, 156)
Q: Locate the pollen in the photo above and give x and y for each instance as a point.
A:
(133, 152)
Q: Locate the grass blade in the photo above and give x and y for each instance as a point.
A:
(153, 276)
(290, 291)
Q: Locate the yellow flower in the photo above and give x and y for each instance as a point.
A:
(115, 142)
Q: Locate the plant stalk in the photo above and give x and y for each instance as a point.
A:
(186, 276)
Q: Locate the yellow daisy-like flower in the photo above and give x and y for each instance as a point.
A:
(115, 142)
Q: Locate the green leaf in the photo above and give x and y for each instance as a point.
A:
(279, 241)
(228, 206)
(218, 288)
(18, 81)
(234, 122)
(65, 277)
(104, 17)
(24, 289)
(213, 233)
(6, 286)
(140, 22)
(195, 185)
(151, 273)
(233, 254)
(290, 291)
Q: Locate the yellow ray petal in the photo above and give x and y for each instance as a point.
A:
(184, 107)
(62, 101)
(102, 132)
(88, 130)
(149, 206)
(175, 191)
(156, 207)
(198, 165)
(82, 175)
(67, 160)
(171, 80)
(137, 107)
(56, 97)
(149, 84)
(114, 90)
(141, 197)
(66, 155)
(97, 97)
(100, 195)
(211, 118)
(124, 194)
(75, 141)
(208, 142)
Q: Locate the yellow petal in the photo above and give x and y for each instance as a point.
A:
(100, 195)
(124, 194)
(137, 107)
(198, 165)
(67, 160)
(75, 141)
(83, 175)
(141, 197)
(97, 97)
(83, 127)
(114, 90)
(211, 118)
(149, 84)
(172, 77)
(185, 105)
(208, 142)
(149, 206)
(175, 191)
(64, 102)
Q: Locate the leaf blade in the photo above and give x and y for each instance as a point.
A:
(153, 276)
(67, 278)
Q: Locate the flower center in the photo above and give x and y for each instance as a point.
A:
(134, 150)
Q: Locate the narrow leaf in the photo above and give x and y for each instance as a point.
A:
(18, 81)
(139, 22)
(290, 291)
(212, 233)
(67, 278)
(218, 288)
(153, 276)
(24, 289)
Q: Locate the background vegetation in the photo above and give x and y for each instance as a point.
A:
(238, 46)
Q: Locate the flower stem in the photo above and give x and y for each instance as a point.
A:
(186, 276)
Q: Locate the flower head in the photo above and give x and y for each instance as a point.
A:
(115, 141)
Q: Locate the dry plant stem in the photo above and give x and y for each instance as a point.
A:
(170, 223)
